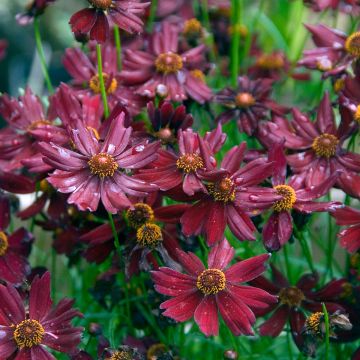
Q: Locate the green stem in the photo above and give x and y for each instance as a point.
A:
(113, 228)
(118, 46)
(305, 248)
(53, 275)
(287, 263)
(101, 80)
(331, 246)
(152, 15)
(41, 54)
(206, 22)
(235, 43)
(327, 332)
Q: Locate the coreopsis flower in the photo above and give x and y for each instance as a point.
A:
(317, 147)
(148, 347)
(232, 195)
(84, 70)
(295, 301)
(248, 104)
(279, 226)
(161, 69)
(33, 9)
(349, 237)
(335, 50)
(122, 353)
(27, 331)
(202, 293)
(95, 20)
(94, 170)
(27, 124)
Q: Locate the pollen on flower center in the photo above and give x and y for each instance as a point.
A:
(352, 44)
(244, 100)
(312, 323)
(101, 4)
(270, 61)
(211, 281)
(103, 165)
(149, 235)
(28, 333)
(325, 145)
(155, 351)
(140, 215)
(222, 190)
(192, 27)
(291, 296)
(288, 200)
(110, 86)
(121, 355)
(4, 244)
(168, 63)
(357, 114)
(190, 162)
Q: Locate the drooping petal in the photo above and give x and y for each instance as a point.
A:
(206, 316)
(276, 322)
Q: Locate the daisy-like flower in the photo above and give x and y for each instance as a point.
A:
(161, 69)
(335, 50)
(202, 293)
(27, 331)
(96, 170)
(279, 226)
(349, 237)
(232, 195)
(317, 150)
(95, 20)
(248, 104)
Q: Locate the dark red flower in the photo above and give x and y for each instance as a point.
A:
(95, 20)
(26, 332)
(160, 69)
(317, 148)
(347, 6)
(248, 104)
(201, 292)
(33, 9)
(93, 172)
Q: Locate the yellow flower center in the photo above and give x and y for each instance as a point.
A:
(110, 87)
(222, 190)
(103, 165)
(35, 124)
(4, 244)
(291, 296)
(101, 4)
(339, 84)
(198, 74)
(168, 63)
(357, 114)
(121, 355)
(28, 333)
(189, 162)
(313, 322)
(325, 145)
(288, 200)
(149, 235)
(352, 44)
(155, 351)
(140, 215)
(192, 27)
(211, 281)
(270, 61)
(244, 100)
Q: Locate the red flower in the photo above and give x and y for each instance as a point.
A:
(201, 292)
(25, 333)
(317, 148)
(93, 173)
(349, 237)
(161, 69)
(95, 20)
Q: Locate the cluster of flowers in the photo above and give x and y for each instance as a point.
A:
(165, 186)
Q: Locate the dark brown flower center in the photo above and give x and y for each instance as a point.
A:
(190, 162)
(140, 215)
(288, 200)
(155, 351)
(121, 355)
(291, 296)
(223, 190)
(198, 74)
(103, 165)
(28, 333)
(312, 323)
(110, 86)
(325, 145)
(35, 124)
(352, 44)
(211, 281)
(192, 27)
(101, 4)
(244, 100)
(4, 244)
(168, 63)
(270, 61)
(149, 235)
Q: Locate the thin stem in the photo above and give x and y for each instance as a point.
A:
(206, 21)
(287, 263)
(235, 43)
(41, 54)
(327, 332)
(152, 14)
(305, 248)
(113, 228)
(288, 342)
(53, 275)
(331, 245)
(118, 46)
(101, 80)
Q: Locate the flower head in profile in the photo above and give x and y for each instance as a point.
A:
(27, 331)
(33, 9)
(95, 20)
(203, 292)
(96, 171)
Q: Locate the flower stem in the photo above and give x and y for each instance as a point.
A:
(235, 40)
(113, 228)
(331, 245)
(41, 54)
(118, 46)
(101, 79)
(152, 14)
(305, 248)
(287, 263)
(327, 332)
(206, 21)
